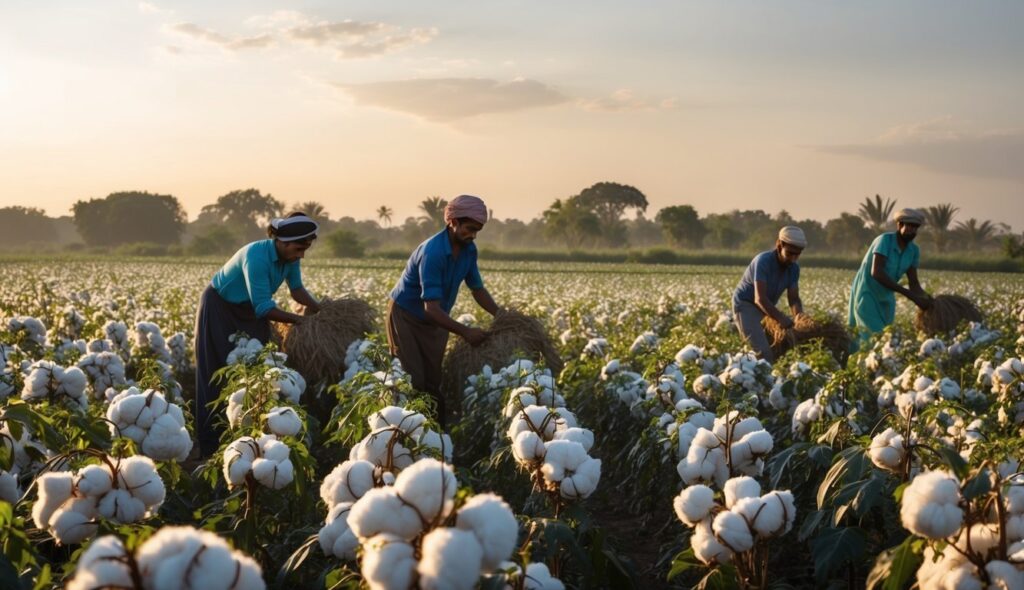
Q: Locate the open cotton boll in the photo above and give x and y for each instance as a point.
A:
(559, 456)
(283, 421)
(9, 490)
(694, 504)
(183, 557)
(930, 506)
(238, 458)
(405, 420)
(168, 439)
(389, 563)
(434, 440)
(732, 530)
(273, 474)
(777, 516)
(138, 475)
(236, 405)
(1004, 575)
(288, 383)
(538, 577)
(983, 538)
(100, 566)
(347, 482)
(534, 418)
(94, 480)
(336, 537)
(430, 487)
(528, 447)
(375, 447)
(706, 547)
(737, 488)
(382, 511)
(54, 490)
(121, 506)
(519, 398)
(70, 526)
(489, 518)
(451, 559)
(581, 435)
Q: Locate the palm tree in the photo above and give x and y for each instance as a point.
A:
(876, 213)
(433, 211)
(939, 218)
(314, 210)
(975, 234)
(384, 214)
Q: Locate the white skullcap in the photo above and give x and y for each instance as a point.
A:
(793, 235)
(908, 215)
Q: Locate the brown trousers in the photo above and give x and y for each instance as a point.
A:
(419, 345)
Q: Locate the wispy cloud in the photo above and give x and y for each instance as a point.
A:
(623, 100)
(150, 8)
(943, 145)
(212, 37)
(450, 99)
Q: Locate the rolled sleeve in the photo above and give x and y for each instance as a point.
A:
(431, 269)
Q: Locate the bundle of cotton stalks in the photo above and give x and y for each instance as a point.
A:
(48, 381)
(156, 426)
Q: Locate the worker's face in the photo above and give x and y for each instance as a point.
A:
(788, 253)
(292, 251)
(907, 231)
(464, 231)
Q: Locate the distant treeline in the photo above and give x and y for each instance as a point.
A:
(607, 222)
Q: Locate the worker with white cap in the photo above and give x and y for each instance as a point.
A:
(768, 275)
(891, 255)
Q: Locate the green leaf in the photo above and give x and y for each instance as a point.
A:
(810, 523)
(894, 566)
(820, 455)
(296, 559)
(833, 547)
(954, 461)
(777, 464)
(849, 467)
(682, 562)
(978, 485)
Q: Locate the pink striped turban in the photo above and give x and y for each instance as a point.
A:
(466, 206)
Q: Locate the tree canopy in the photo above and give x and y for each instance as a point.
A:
(249, 211)
(22, 225)
(129, 217)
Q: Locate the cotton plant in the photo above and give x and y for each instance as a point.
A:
(645, 342)
(975, 335)
(595, 347)
(1008, 385)
(489, 386)
(628, 387)
(116, 332)
(179, 557)
(797, 382)
(250, 351)
(932, 348)
(104, 369)
(734, 445)
(123, 490)
(748, 374)
(398, 437)
(177, 344)
(22, 457)
(149, 342)
(265, 460)
(737, 525)
(28, 331)
(156, 425)
(48, 381)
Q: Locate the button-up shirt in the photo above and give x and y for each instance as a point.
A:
(433, 274)
(254, 274)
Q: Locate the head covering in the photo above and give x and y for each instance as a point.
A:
(793, 235)
(908, 215)
(466, 206)
(293, 229)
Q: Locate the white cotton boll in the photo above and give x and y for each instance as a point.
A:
(694, 504)
(538, 577)
(70, 527)
(238, 458)
(380, 511)
(236, 405)
(274, 450)
(441, 442)
(121, 506)
(558, 456)
(489, 518)
(780, 520)
(347, 482)
(705, 439)
(374, 448)
(139, 476)
(533, 418)
(922, 383)
(703, 465)
(1014, 498)
(948, 388)
(733, 531)
(706, 547)
(583, 480)
(283, 421)
(930, 506)
(581, 435)
(100, 567)
(1015, 552)
(273, 474)
(806, 412)
(208, 566)
(336, 538)
(430, 486)
(405, 420)
(887, 449)
(1004, 576)
(168, 439)
(528, 447)
(389, 563)
(451, 559)
(737, 488)
(54, 490)
(94, 480)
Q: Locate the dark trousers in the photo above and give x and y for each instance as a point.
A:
(216, 321)
(419, 345)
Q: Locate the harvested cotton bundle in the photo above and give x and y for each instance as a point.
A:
(945, 314)
(512, 335)
(806, 328)
(316, 347)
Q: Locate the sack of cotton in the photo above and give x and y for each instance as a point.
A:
(47, 381)
(156, 426)
(737, 526)
(150, 343)
(179, 557)
(104, 370)
(265, 460)
(122, 490)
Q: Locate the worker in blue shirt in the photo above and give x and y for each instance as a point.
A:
(418, 320)
(769, 274)
(239, 298)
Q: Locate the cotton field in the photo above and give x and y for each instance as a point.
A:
(663, 454)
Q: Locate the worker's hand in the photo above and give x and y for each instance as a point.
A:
(786, 323)
(922, 300)
(475, 336)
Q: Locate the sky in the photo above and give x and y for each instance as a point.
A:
(804, 105)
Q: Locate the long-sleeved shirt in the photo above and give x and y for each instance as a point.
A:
(433, 274)
(254, 274)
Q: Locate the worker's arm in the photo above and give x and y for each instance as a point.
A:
(796, 305)
(285, 317)
(918, 296)
(302, 296)
(432, 310)
(762, 300)
(924, 300)
(483, 299)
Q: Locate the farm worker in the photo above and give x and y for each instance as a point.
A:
(768, 275)
(418, 319)
(239, 298)
(891, 255)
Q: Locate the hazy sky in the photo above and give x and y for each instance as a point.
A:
(807, 106)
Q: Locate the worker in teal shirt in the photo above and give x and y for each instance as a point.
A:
(891, 255)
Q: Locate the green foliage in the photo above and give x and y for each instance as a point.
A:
(345, 244)
(130, 217)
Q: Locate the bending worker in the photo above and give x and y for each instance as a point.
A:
(768, 275)
(418, 319)
(891, 255)
(239, 298)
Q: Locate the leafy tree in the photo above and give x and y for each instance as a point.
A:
(847, 233)
(217, 240)
(974, 234)
(939, 218)
(21, 225)
(875, 213)
(571, 223)
(384, 214)
(722, 232)
(128, 217)
(433, 211)
(609, 200)
(249, 209)
(345, 244)
(682, 226)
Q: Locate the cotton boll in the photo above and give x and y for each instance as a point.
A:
(489, 518)
(1004, 576)
(1014, 498)
(275, 450)
(347, 482)
(694, 504)
(405, 420)
(533, 418)
(382, 511)
(375, 447)
(121, 506)
(451, 558)
(9, 491)
(389, 563)
(738, 488)
(983, 538)
(778, 515)
(236, 406)
(528, 447)
(336, 537)
(583, 480)
(283, 421)
(581, 435)
(70, 526)
(238, 458)
(138, 475)
(706, 547)
(730, 528)
(441, 442)
(430, 486)
(558, 457)
(54, 490)
(887, 449)
(94, 480)
(273, 474)
(930, 506)
(99, 566)
(168, 439)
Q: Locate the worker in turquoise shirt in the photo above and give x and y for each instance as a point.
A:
(891, 255)
(239, 298)
(418, 321)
